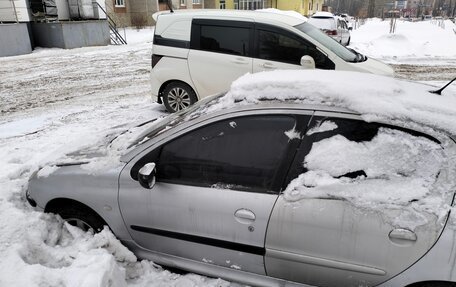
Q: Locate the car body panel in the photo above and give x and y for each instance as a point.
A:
(203, 63)
(98, 191)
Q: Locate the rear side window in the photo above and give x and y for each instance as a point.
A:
(345, 148)
(227, 37)
(242, 154)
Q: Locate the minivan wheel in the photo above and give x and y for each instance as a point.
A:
(178, 96)
(82, 217)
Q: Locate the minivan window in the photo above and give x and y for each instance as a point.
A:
(328, 42)
(224, 39)
(278, 47)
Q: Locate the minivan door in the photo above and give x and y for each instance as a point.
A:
(365, 202)
(276, 48)
(220, 52)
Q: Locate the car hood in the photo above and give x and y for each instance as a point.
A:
(108, 150)
(375, 67)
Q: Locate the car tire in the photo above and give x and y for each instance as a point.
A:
(82, 217)
(178, 96)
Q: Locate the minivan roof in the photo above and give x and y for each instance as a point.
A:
(265, 16)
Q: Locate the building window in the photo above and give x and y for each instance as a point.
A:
(197, 2)
(182, 2)
(120, 3)
(222, 4)
(236, 4)
(251, 4)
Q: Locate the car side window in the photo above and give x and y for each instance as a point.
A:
(242, 154)
(283, 47)
(212, 37)
(333, 136)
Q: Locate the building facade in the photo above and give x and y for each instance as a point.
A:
(138, 13)
(304, 7)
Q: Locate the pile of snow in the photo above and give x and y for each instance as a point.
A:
(396, 170)
(412, 40)
(374, 97)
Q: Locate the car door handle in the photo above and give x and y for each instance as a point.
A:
(240, 61)
(268, 66)
(402, 234)
(244, 216)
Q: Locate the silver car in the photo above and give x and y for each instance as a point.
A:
(276, 193)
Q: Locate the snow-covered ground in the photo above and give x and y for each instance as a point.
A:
(57, 101)
(425, 42)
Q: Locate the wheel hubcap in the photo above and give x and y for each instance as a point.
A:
(79, 223)
(178, 99)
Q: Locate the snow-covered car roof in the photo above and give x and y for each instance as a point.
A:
(375, 98)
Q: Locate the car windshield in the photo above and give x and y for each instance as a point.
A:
(316, 34)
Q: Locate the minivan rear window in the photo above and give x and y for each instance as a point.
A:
(327, 41)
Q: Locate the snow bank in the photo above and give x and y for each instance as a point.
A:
(412, 40)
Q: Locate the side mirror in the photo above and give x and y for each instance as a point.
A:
(146, 175)
(307, 62)
(350, 28)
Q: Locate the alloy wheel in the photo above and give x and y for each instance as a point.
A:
(178, 99)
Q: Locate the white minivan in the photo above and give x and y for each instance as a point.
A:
(197, 53)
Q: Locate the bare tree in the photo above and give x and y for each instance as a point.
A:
(371, 9)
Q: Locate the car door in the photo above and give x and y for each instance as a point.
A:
(354, 214)
(220, 52)
(276, 48)
(215, 188)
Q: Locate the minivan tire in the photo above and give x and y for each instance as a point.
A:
(178, 96)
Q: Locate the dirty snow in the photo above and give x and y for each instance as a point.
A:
(55, 102)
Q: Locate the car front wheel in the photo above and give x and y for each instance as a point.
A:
(178, 96)
(82, 217)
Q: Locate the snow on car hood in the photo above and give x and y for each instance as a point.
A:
(106, 153)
